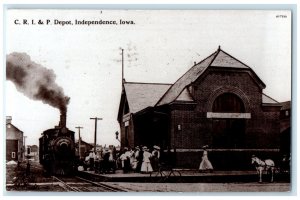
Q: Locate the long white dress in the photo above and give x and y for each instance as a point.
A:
(133, 160)
(146, 165)
(205, 163)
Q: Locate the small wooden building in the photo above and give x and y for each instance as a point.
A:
(32, 152)
(14, 141)
(85, 148)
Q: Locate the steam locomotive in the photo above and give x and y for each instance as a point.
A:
(57, 149)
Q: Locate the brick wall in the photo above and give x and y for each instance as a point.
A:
(130, 136)
(225, 160)
(261, 131)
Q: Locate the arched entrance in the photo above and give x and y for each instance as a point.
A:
(227, 129)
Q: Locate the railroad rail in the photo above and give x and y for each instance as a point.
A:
(100, 187)
(64, 185)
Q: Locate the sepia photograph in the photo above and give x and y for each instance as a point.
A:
(102, 101)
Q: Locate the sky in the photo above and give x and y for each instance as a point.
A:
(159, 47)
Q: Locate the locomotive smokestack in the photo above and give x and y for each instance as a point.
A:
(63, 120)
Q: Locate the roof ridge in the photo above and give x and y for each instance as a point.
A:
(142, 95)
(216, 52)
(234, 58)
(15, 127)
(148, 83)
(247, 67)
(205, 58)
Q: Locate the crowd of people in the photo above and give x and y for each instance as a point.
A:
(139, 159)
(102, 161)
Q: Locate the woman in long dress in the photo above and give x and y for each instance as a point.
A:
(133, 161)
(155, 157)
(205, 163)
(146, 165)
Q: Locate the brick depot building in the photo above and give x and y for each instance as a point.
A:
(218, 102)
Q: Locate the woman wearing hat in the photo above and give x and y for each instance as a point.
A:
(146, 165)
(135, 155)
(205, 163)
(155, 157)
(139, 156)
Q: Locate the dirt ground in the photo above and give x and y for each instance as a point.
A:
(36, 171)
(46, 184)
(203, 187)
(36, 175)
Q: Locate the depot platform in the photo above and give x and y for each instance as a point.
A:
(187, 175)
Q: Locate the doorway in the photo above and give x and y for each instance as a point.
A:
(228, 132)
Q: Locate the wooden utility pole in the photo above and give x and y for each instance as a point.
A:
(122, 66)
(24, 150)
(95, 138)
(79, 141)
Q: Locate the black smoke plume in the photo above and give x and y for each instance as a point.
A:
(35, 81)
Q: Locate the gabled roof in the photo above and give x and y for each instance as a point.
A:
(189, 77)
(185, 95)
(268, 100)
(13, 127)
(225, 60)
(82, 142)
(13, 133)
(286, 105)
(143, 95)
(219, 59)
(140, 96)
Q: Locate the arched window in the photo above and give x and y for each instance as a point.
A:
(228, 102)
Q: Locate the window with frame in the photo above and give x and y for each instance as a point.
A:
(286, 113)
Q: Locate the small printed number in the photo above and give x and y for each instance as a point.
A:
(281, 16)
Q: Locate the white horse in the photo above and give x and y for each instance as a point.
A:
(267, 165)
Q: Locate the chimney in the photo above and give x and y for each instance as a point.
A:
(8, 119)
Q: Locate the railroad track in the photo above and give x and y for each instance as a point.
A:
(86, 186)
(102, 185)
(65, 185)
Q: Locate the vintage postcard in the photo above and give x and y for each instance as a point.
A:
(141, 100)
